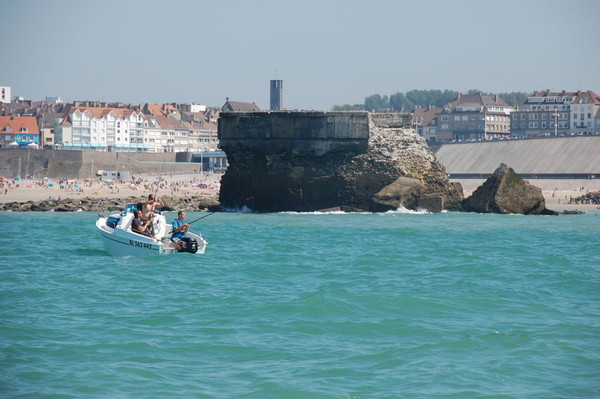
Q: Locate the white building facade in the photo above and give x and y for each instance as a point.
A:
(102, 129)
(5, 94)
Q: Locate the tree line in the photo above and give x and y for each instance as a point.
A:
(422, 98)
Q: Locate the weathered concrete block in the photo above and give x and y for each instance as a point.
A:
(306, 161)
(432, 203)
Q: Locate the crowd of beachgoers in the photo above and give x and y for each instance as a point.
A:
(21, 190)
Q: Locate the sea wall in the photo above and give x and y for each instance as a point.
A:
(80, 164)
(572, 157)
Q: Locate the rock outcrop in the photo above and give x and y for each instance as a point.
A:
(393, 167)
(108, 204)
(506, 192)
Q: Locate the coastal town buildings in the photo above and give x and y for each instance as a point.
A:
(475, 117)
(563, 113)
(154, 128)
(472, 117)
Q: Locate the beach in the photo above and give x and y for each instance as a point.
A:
(177, 186)
(557, 192)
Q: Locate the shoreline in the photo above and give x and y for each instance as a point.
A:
(66, 194)
(204, 189)
(557, 192)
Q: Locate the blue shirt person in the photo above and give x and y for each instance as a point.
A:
(179, 229)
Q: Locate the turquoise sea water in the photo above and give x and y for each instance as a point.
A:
(305, 306)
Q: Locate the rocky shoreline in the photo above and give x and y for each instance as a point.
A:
(192, 203)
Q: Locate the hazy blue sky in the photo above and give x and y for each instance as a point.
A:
(327, 52)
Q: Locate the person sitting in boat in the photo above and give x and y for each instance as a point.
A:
(149, 206)
(141, 226)
(179, 229)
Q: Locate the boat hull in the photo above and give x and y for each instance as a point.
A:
(121, 242)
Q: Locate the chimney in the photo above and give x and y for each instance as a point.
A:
(276, 95)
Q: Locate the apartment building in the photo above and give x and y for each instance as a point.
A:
(472, 117)
(101, 129)
(585, 113)
(550, 113)
(543, 114)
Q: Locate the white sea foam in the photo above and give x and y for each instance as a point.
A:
(402, 210)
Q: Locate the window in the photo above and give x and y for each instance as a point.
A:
(445, 118)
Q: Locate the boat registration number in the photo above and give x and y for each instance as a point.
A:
(140, 244)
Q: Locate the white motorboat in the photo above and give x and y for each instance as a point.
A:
(120, 240)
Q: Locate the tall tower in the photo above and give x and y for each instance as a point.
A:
(276, 95)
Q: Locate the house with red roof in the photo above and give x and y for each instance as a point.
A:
(425, 122)
(19, 131)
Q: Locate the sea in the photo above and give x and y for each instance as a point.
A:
(305, 305)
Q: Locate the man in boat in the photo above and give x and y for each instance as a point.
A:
(149, 206)
(179, 229)
(141, 226)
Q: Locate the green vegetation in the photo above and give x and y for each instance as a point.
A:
(422, 98)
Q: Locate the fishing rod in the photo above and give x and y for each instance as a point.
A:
(212, 213)
(202, 217)
(158, 184)
(160, 175)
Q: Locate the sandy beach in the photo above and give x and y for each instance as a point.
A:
(206, 185)
(558, 193)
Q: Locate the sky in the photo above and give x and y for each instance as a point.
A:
(326, 52)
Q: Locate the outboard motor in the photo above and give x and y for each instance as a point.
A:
(112, 221)
(189, 245)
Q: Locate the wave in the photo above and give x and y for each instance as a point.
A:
(402, 210)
